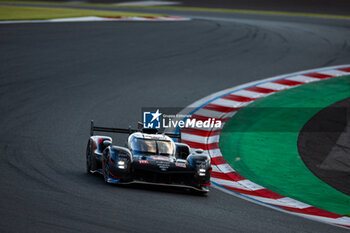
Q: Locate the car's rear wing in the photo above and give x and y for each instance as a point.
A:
(129, 130)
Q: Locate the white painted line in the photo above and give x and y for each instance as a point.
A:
(304, 79)
(250, 185)
(293, 203)
(250, 94)
(334, 72)
(213, 139)
(342, 220)
(213, 114)
(229, 183)
(229, 103)
(214, 153)
(215, 168)
(225, 168)
(193, 138)
(200, 139)
(94, 19)
(271, 201)
(274, 86)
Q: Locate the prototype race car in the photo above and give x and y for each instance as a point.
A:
(148, 158)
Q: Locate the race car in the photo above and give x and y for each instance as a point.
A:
(150, 157)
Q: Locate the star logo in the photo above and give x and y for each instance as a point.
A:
(156, 115)
(151, 120)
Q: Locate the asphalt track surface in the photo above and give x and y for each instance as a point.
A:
(55, 78)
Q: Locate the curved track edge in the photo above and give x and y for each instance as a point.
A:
(99, 19)
(223, 105)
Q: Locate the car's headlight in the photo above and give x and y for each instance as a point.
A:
(121, 164)
(201, 172)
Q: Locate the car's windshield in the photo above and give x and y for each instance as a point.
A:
(164, 147)
(151, 146)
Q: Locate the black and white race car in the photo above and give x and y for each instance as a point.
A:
(148, 158)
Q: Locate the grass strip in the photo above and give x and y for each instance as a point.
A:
(37, 13)
(183, 8)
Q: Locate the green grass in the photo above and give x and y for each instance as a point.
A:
(260, 143)
(244, 11)
(241, 11)
(33, 13)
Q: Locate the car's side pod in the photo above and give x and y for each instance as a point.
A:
(97, 145)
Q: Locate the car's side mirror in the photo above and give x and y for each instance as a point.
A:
(198, 151)
(182, 150)
(139, 126)
(107, 143)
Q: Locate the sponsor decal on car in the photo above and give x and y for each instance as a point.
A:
(180, 165)
(163, 165)
(162, 158)
(143, 161)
